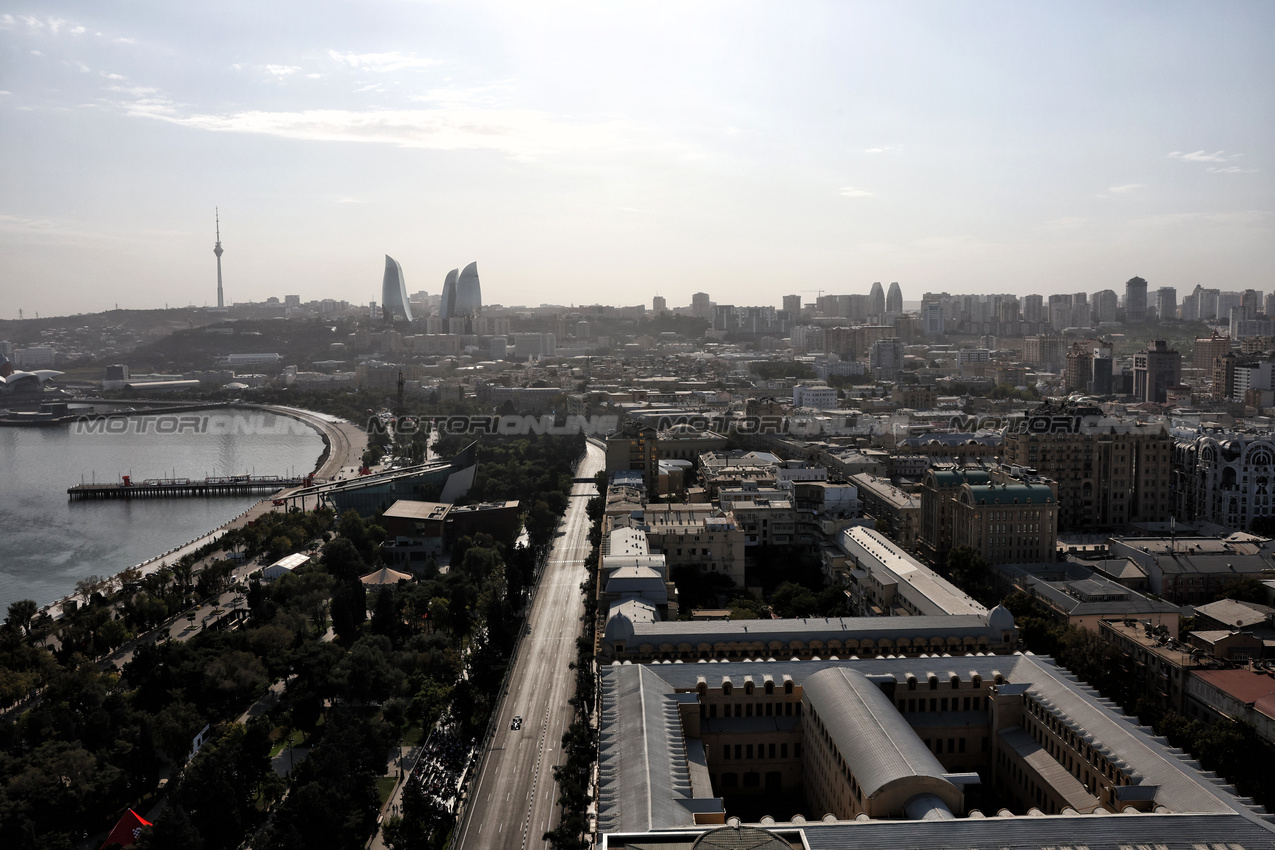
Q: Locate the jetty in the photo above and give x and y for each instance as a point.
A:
(168, 488)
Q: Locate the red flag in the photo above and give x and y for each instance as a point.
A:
(127, 830)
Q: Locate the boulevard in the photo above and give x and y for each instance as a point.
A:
(513, 801)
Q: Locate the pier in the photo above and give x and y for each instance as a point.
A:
(168, 488)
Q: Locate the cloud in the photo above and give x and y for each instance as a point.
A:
(518, 133)
(1068, 222)
(314, 76)
(79, 30)
(1233, 219)
(123, 40)
(880, 149)
(383, 62)
(1201, 156)
(1128, 187)
(1231, 169)
(852, 192)
(281, 70)
(369, 87)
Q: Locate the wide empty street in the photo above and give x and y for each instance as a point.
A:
(514, 800)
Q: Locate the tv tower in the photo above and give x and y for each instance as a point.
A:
(221, 302)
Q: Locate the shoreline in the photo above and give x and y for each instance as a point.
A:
(345, 436)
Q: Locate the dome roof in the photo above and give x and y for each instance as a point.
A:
(1000, 619)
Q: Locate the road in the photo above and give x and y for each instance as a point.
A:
(514, 800)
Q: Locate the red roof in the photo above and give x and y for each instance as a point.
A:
(1245, 685)
(126, 831)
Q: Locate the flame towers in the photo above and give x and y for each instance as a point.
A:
(462, 294)
(394, 291)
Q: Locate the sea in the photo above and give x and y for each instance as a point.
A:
(49, 543)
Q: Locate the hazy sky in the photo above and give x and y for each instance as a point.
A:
(611, 151)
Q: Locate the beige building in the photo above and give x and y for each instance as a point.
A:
(1007, 523)
(886, 581)
(938, 499)
(766, 518)
(698, 536)
(1159, 664)
(1110, 472)
(1208, 349)
(896, 510)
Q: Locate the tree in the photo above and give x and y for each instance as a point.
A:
(89, 585)
(1245, 589)
(967, 568)
(21, 612)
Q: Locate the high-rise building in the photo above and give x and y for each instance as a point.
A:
(1060, 312)
(1251, 301)
(1226, 301)
(701, 306)
(1206, 301)
(658, 304)
(792, 305)
(1105, 305)
(876, 300)
(1166, 303)
(894, 299)
(1156, 371)
(1103, 371)
(1207, 350)
(1078, 375)
(221, 301)
(394, 299)
(932, 320)
(886, 358)
(1045, 352)
(1135, 300)
(1189, 308)
(1081, 313)
(1033, 309)
(448, 301)
(462, 294)
(469, 294)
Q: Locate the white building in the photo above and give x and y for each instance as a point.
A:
(818, 396)
(535, 345)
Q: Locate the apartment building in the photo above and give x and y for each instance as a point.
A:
(1110, 472)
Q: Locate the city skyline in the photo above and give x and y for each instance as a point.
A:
(733, 150)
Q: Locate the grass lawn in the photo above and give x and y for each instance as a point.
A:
(297, 737)
(385, 787)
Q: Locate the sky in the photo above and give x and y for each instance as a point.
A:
(609, 152)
